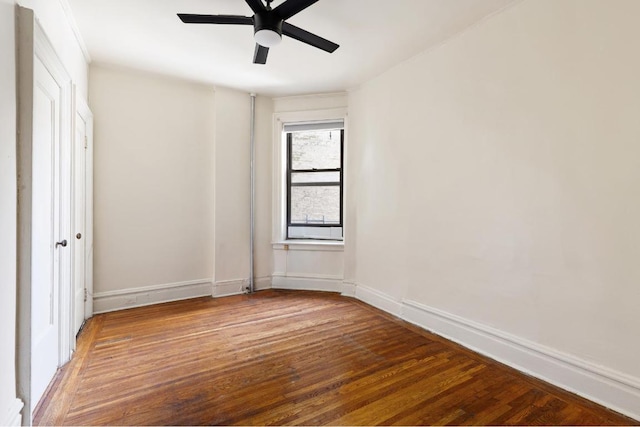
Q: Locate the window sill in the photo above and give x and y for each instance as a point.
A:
(309, 245)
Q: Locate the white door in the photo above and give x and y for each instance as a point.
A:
(49, 247)
(80, 234)
(87, 116)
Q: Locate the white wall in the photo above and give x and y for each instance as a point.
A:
(263, 259)
(232, 195)
(322, 101)
(7, 212)
(497, 179)
(172, 188)
(153, 181)
(232, 118)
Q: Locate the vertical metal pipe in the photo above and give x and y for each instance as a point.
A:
(253, 191)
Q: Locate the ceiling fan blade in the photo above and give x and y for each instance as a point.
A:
(256, 5)
(290, 7)
(189, 18)
(308, 38)
(260, 54)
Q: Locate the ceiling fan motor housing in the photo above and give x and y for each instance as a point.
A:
(267, 21)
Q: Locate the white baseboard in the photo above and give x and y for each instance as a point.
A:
(605, 386)
(596, 383)
(262, 283)
(307, 282)
(137, 297)
(12, 415)
(348, 289)
(225, 288)
(378, 299)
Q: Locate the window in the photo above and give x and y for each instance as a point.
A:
(314, 180)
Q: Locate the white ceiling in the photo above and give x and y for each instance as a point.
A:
(373, 35)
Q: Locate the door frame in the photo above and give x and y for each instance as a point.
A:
(33, 42)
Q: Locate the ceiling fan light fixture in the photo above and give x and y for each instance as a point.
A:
(267, 37)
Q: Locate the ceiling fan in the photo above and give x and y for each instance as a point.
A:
(268, 25)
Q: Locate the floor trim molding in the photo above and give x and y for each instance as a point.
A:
(378, 299)
(612, 389)
(137, 297)
(599, 384)
(349, 289)
(226, 288)
(306, 282)
(13, 414)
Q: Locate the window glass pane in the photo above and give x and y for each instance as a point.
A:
(315, 149)
(315, 205)
(297, 178)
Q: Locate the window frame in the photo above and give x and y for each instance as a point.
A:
(289, 184)
(280, 119)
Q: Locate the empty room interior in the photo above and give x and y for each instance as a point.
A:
(314, 212)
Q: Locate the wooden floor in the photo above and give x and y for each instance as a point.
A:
(284, 357)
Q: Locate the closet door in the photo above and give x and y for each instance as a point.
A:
(49, 242)
(83, 214)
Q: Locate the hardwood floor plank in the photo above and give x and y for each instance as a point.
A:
(291, 358)
(59, 406)
(439, 407)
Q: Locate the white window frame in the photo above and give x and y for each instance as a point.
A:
(279, 228)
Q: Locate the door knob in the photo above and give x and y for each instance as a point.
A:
(78, 236)
(63, 244)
